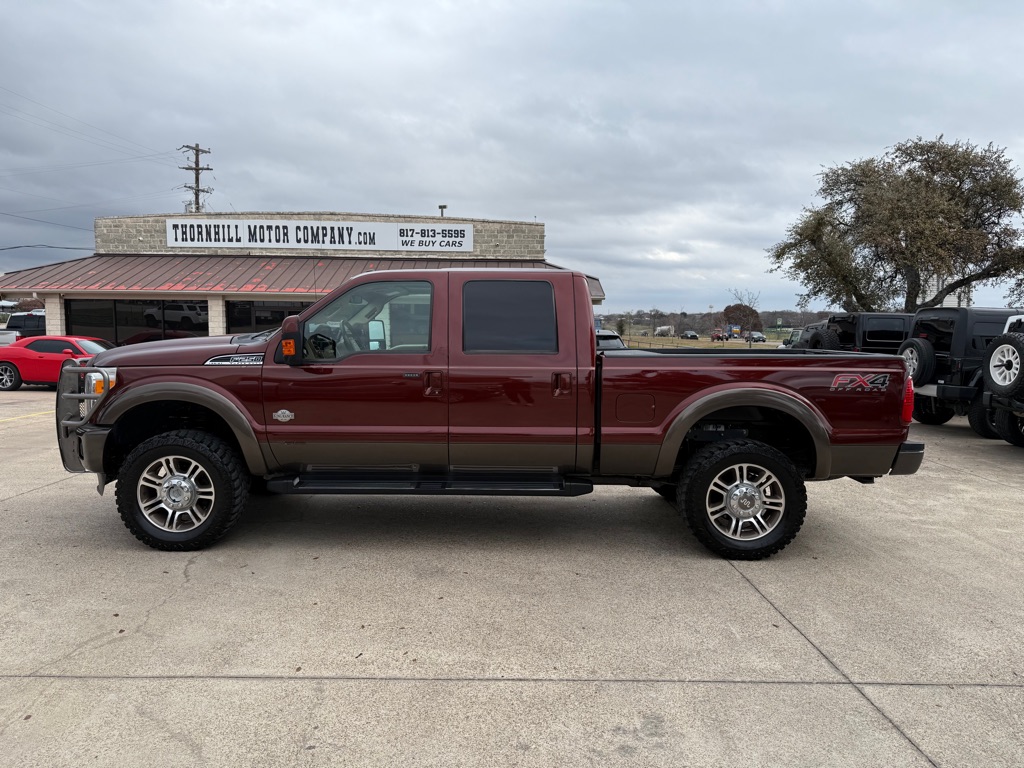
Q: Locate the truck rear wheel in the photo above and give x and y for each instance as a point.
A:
(181, 490)
(742, 499)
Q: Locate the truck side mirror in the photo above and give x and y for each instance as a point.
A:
(375, 331)
(787, 342)
(291, 341)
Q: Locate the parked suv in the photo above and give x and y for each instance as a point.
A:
(882, 332)
(176, 314)
(945, 355)
(1003, 373)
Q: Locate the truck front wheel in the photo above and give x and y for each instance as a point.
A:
(742, 499)
(181, 490)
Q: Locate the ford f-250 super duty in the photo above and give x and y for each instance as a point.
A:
(475, 382)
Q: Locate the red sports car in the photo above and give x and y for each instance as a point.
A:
(37, 359)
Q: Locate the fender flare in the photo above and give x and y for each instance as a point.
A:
(222, 405)
(799, 408)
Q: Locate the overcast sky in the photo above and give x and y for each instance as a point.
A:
(665, 145)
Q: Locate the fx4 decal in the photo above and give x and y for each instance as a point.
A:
(852, 382)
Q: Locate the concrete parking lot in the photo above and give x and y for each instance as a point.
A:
(387, 631)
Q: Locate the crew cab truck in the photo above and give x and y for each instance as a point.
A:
(475, 382)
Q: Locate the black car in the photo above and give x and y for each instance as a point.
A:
(882, 332)
(692, 335)
(945, 354)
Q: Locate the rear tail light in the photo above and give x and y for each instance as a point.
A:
(907, 415)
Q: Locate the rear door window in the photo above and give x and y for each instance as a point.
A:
(509, 316)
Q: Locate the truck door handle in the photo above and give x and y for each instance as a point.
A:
(561, 384)
(433, 384)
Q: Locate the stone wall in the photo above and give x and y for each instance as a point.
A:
(491, 239)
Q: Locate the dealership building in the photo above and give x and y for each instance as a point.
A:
(166, 276)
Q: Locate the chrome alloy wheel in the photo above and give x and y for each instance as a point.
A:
(6, 376)
(745, 502)
(1004, 365)
(175, 493)
(913, 361)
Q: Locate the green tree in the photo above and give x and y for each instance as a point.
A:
(905, 230)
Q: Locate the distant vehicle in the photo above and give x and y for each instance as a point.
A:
(719, 335)
(176, 314)
(609, 340)
(37, 359)
(882, 332)
(755, 336)
(692, 335)
(663, 330)
(21, 325)
(793, 338)
(1003, 372)
(946, 355)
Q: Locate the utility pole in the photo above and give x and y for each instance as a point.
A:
(197, 207)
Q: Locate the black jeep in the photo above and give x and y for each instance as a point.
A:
(1004, 381)
(858, 332)
(945, 354)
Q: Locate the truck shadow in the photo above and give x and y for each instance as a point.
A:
(639, 519)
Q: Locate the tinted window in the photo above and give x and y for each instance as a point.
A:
(51, 345)
(26, 322)
(509, 316)
(885, 329)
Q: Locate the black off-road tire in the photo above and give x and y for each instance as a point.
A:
(742, 499)
(1003, 366)
(982, 419)
(1010, 427)
(920, 357)
(928, 410)
(10, 377)
(824, 339)
(190, 469)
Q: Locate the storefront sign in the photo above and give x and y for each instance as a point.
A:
(321, 235)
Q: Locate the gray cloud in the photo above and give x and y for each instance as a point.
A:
(665, 145)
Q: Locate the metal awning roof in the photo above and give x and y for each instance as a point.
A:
(265, 275)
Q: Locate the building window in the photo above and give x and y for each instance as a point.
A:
(128, 321)
(254, 316)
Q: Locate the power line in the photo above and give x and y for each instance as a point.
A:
(40, 221)
(6, 172)
(69, 117)
(41, 245)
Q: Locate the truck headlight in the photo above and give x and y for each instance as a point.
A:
(96, 383)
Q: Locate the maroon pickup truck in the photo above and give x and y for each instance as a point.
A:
(475, 382)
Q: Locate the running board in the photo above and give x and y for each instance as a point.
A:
(452, 485)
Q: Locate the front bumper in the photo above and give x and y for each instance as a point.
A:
(908, 458)
(81, 444)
